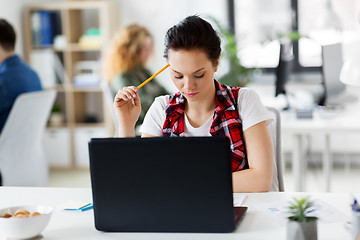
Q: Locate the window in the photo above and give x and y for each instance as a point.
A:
(325, 22)
(257, 24)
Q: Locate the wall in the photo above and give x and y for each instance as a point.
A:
(156, 15)
(159, 15)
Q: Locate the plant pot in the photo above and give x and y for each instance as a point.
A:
(56, 119)
(301, 230)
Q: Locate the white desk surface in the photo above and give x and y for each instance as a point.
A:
(324, 124)
(255, 225)
(344, 120)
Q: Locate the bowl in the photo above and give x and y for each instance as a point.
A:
(27, 227)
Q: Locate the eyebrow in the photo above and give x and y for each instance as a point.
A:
(193, 72)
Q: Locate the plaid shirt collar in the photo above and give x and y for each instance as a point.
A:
(224, 101)
(226, 121)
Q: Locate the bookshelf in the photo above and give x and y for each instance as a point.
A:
(70, 63)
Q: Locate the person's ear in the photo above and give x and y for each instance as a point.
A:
(216, 64)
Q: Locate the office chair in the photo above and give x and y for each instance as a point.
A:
(109, 99)
(22, 157)
(275, 135)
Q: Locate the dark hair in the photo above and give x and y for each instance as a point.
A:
(193, 33)
(7, 36)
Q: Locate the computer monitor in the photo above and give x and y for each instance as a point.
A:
(284, 68)
(331, 68)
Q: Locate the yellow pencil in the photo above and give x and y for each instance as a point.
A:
(150, 78)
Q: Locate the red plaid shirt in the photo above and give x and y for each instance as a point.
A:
(226, 121)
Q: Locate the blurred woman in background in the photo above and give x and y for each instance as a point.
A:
(125, 64)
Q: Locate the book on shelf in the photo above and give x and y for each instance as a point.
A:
(42, 61)
(49, 67)
(45, 25)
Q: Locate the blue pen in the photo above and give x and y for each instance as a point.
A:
(83, 208)
(87, 207)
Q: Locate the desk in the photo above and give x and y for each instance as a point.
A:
(347, 121)
(66, 225)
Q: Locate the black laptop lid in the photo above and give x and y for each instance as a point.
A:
(162, 184)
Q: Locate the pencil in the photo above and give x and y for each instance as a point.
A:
(150, 78)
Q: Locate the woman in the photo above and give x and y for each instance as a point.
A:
(125, 63)
(203, 107)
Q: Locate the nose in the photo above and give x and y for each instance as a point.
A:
(189, 84)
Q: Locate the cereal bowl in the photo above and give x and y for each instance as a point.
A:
(22, 226)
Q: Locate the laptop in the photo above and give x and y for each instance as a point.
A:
(163, 184)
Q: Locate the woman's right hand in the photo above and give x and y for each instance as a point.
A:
(127, 106)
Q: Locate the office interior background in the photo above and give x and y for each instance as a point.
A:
(257, 26)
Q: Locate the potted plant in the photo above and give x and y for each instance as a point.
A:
(238, 74)
(56, 116)
(301, 225)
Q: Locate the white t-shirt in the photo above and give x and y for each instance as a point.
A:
(251, 111)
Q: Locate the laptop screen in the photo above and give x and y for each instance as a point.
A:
(162, 184)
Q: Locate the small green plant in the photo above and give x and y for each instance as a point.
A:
(57, 108)
(293, 36)
(238, 75)
(300, 210)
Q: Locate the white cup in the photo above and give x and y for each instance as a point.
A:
(355, 225)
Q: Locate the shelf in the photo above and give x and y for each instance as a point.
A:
(60, 88)
(88, 125)
(72, 47)
(52, 127)
(75, 47)
(76, 125)
(84, 108)
(85, 89)
(50, 47)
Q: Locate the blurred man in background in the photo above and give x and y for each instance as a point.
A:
(16, 77)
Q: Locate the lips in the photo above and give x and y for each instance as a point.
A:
(191, 94)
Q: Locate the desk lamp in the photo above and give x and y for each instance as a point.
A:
(350, 71)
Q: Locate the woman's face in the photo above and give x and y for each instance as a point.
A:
(192, 72)
(146, 49)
